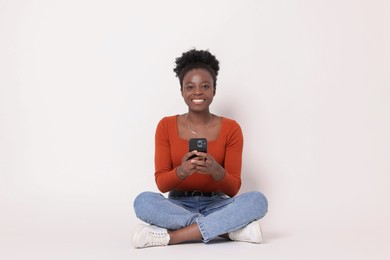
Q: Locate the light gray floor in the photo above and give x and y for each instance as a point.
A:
(343, 241)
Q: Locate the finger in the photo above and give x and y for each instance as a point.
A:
(198, 161)
(190, 155)
(203, 162)
(192, 165)
(201, 170)
(201, 154)
(194, 161)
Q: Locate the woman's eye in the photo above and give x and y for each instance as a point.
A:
(189, 87)
(205, 86)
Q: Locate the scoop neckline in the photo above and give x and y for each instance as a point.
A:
(186, 140)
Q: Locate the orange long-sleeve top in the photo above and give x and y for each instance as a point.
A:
(226, 150)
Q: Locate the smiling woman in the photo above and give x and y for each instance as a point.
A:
(202, 202)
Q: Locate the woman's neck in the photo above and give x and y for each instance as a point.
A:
(200, 118)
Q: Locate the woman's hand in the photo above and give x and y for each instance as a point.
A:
(202, 163)
(187, 167)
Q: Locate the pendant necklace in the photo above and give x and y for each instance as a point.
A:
(191, 130)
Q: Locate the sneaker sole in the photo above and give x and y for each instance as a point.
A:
(135, 236)
(258, 233)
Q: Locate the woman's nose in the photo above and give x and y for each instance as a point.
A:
(198, 90)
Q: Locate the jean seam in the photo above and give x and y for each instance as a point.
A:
(205, 235)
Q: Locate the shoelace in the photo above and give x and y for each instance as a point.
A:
(242, 234)
(156, 238)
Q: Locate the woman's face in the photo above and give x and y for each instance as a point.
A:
(198, 89)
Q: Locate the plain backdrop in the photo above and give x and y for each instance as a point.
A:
(83, 84)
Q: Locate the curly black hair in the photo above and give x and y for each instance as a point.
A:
(196, 59)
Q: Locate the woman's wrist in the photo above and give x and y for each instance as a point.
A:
(180, 173)
(219, 173)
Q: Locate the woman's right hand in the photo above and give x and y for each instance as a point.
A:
(187, 167)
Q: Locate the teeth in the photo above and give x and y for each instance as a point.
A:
(198, 100)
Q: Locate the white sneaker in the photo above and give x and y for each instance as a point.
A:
(250, 233)
(149, 235)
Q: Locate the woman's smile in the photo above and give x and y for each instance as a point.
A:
(198, 101)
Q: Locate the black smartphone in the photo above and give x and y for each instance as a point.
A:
(199, 144)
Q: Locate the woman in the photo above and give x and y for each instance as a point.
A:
(202, 202)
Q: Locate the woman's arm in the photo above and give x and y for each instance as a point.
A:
(230, 184)
(165, 174)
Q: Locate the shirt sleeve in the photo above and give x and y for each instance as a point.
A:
(165, 174)
(231, 183)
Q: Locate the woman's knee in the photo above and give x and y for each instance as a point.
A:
(258, 202)
(144, 201)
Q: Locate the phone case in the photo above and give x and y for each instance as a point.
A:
(199, 144)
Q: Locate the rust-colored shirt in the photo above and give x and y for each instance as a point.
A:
(226, 150)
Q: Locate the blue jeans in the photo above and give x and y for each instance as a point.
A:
(214, 215)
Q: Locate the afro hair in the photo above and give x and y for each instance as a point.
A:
(196, 59)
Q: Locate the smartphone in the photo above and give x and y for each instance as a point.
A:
(199, 144)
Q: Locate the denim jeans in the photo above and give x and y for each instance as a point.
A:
(214, 215)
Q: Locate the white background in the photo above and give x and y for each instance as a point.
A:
(83, 84)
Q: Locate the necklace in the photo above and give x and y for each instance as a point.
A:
(192, 130)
